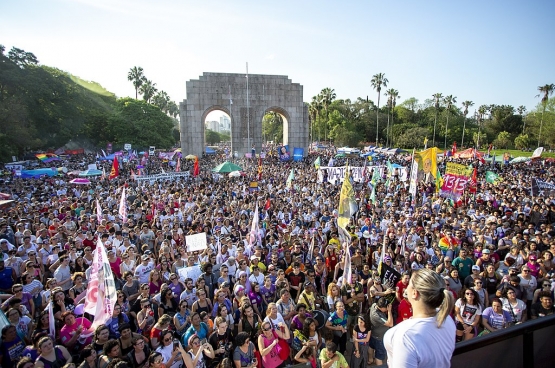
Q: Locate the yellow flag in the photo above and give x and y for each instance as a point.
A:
(347, 203)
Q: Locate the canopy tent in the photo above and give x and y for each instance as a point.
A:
(33, 174)
(498, 158)
(210, 151)
(520, 159)
(468, 153)
(90, 172)
(226, 167)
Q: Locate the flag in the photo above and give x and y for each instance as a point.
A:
(493, 160)
(454, 148)
(373, 195)
(439, 180)
(427, 163)
(98, 212)
(390, 277)
(259, 168)
(537, 152)
(375, 176)
(489, 149)
(425, 143)
(317, 163)
(132, 174)
(123, 206)
(492, 177)
(347, 203)
(255, 231)
(347, 266)
(230, 100)
(196, 168)
(384, 249)
(51, 321)
(267, 205)
(178, 166)
(389, 174)
(104, 153)
(291, 178)
(472, 185)
(330, 162)
(101, 289)
(47, 157)
(115, 169)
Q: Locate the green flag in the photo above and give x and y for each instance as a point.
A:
(317, 163)
(439, 181)
(375, 177)
(291, 178)
(492, 177)
(347, 203)
(373, 195)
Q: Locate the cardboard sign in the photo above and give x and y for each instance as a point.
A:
(196, 242)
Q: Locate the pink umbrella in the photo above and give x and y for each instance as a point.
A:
(80, 181)
(4, 196)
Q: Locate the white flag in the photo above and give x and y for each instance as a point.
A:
(123, 207)
(255, 231)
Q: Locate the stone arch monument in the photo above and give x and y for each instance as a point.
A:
(228, 92)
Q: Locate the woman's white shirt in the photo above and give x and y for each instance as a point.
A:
(408, 343)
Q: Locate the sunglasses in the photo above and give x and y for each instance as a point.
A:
(468, 294)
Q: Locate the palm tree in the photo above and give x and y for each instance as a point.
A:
(148, 90)
(522, 111)
(437, 96)
(327, 95)
(449, 101)
(136, 76)
(466, 105)
(392, 102)
(162, 100)
(481, 112)
(313, 113)
(378, 80)
(547, 90)
(389, 104)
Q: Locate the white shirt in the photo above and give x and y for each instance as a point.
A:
(142, 272)
(408, 343)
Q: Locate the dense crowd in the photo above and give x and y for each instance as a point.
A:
(281, 300)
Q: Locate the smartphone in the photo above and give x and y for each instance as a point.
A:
(203, 341)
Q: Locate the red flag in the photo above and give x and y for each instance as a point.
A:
(473, 181)
(259, 168)
(115, 169)
(178, 166)
(267, 205)
(489, 149)
(454, 148)
(196, 168)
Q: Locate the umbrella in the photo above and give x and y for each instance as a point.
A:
(4, 196)
(226, 167)
(235, 174)
(177, 150)
(74, 173)
(6, 202)
(520, 159)
(190, 157)
(80, 181)
(339, 155)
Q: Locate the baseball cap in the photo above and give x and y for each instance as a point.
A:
(476, 267)
(486, 251)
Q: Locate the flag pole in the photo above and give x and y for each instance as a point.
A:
(248, 114)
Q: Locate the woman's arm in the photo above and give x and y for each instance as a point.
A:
(299, 357)
(265, 350)
(208, 350)
(66, 354)
(486, 325)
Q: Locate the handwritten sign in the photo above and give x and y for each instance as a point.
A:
(455, 180)
(195, 242)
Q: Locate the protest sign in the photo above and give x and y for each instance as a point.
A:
(454, 181)
(193, 272)
(196, 242)
(389, 278)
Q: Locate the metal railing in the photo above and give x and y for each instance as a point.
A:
(530, 344)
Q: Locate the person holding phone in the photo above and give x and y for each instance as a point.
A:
(330, 357)
(243, 356)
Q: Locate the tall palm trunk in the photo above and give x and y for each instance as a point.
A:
(435, 124)
(377, 119)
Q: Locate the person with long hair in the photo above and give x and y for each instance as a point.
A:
(361, 339)
(268, 340)
(333, 295)
(467, 313)
(408, 343)
(337, 322)
(51, 355)
(310, 331)
(138, 357)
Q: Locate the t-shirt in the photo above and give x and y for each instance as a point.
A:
(244, 358)
(378, 320)
(341, 363)
(220, 341)
(338, 321)
(468, 312)
(408, 343)
(538, 311)
(495, 320)
(11, 351)
(514, 310)
(464, 266)
(404, 311)
(346, 291)
(142, 272)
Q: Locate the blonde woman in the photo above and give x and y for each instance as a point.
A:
(333, 295)
(427, 327)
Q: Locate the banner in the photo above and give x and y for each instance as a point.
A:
(427, 164)
(389, 278)
(195, 242)
(413, 179)
(542, 188)
(166, 176)
(492, 177)
(454, 181)
(358, 174)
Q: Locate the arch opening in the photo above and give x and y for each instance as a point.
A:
(275, 126)
(216, 125)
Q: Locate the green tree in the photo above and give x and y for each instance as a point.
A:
(411, 138)
(162, 100)
(522, 142)
(21, 58)
(272, 127)
(503, 139)
(211, 137)
(141, 124)
(313, 114)
(327, 96)
(377, 81)
(522, 112)
(137, 77)
(547, 90)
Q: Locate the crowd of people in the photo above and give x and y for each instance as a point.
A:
(468, 268)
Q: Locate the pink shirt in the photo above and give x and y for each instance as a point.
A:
(67, 332)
